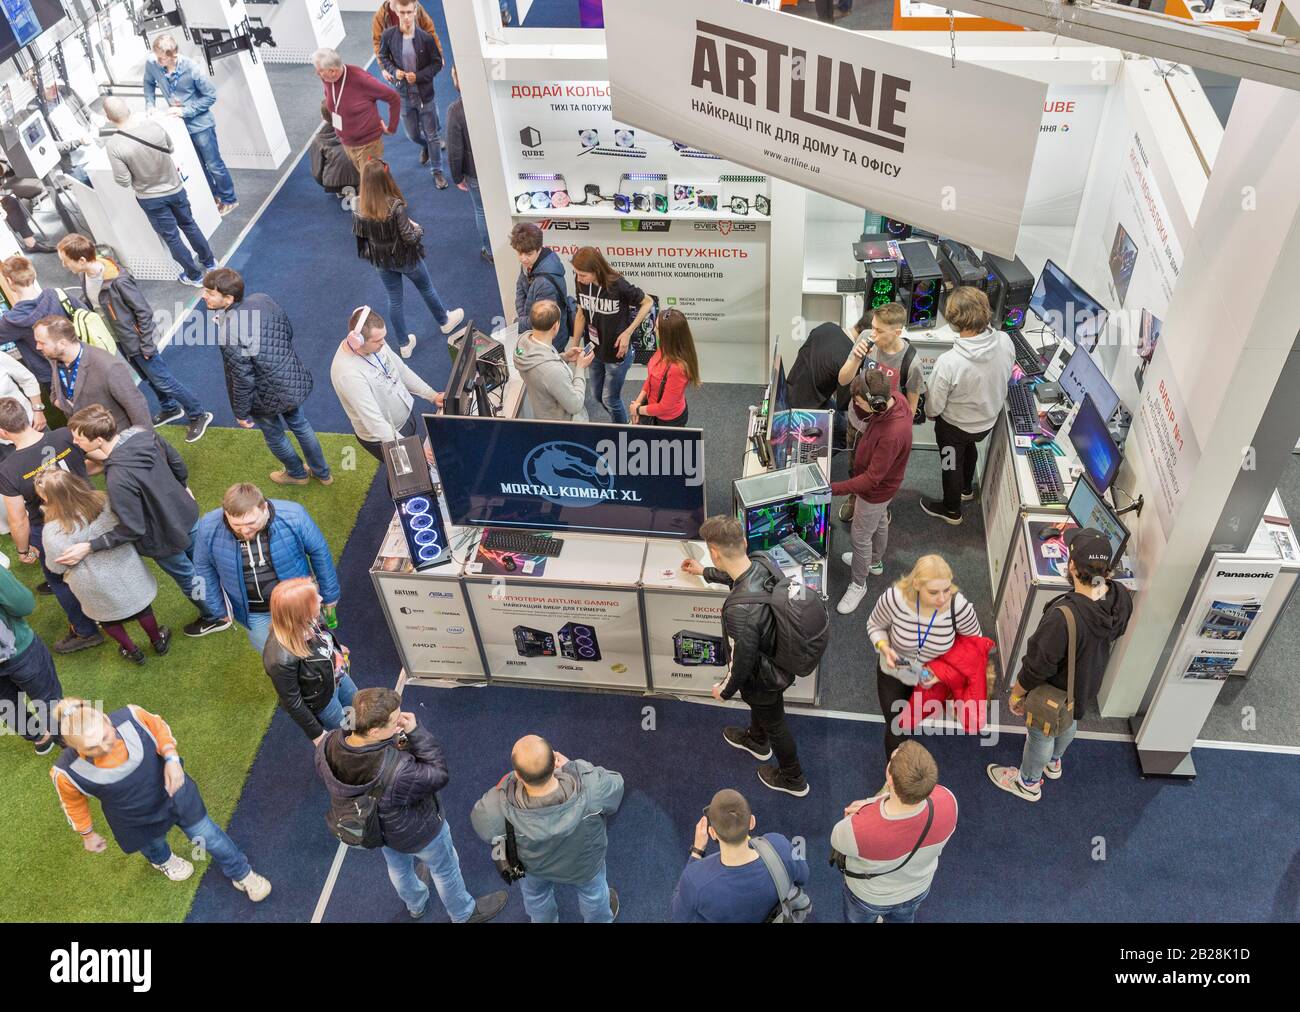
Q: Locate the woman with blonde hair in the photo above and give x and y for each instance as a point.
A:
(673, 367)
(914, 621)
(307, 665)
(112, 586)
(394, 245)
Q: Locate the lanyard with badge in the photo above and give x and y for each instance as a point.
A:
(69, 376)
(914, 664)
(376, 362)
(336, 118)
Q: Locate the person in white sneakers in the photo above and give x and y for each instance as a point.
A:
(128, 761)
(880, 460)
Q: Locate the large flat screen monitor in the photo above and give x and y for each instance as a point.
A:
(1091, 441)
(1066, 309)
(1082, 378)
(1089, 509)
(570, 476)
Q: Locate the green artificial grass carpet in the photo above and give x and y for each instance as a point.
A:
(212, 691)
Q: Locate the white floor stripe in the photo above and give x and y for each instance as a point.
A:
(328, 889)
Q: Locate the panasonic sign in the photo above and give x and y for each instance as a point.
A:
(1242, 576)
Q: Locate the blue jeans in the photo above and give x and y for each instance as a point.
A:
(214, 167)
(419, 275)
(605, 384)
(480, 219)
(439, 856)
(858, 911)
(180, 567)
(273, 431)
(421, 122)
(593, 899)
(32, 674)
(81, 625)
(1040, 749)
(170, 216)
(221, 848)
(259, 629)
(170, 392)
(336, 709)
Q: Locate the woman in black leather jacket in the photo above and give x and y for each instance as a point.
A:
(307, 665)
(393, 243)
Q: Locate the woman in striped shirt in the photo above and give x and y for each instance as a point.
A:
(913, 622)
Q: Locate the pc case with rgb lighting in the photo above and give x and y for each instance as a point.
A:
(921, 286)
(961, 265)
(578, 642)
(692, 649)
(533, 642)
(418, 511)
(772, 506)
(1010, 286)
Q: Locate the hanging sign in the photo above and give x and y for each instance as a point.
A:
(873, 123)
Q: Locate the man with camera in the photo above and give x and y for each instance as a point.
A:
(387, 745)
(547, 817)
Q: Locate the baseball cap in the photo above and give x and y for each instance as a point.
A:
(1088, 545)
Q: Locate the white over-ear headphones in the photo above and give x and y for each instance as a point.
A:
(355, 339)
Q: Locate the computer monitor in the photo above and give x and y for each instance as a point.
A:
(1082, 378)
(1089, 509)
(584, 477)
(466, 393)
(1091, 441)
(775, 389)
(1066, 309)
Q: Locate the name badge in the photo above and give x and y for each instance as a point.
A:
(336, 120)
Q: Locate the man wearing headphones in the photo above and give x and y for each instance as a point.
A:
(878, 466)
(374, 386)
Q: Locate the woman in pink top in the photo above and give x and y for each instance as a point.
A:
(662, 400)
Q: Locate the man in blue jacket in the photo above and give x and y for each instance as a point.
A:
(541, 279)
(412, 59)
(248, 545)
(190, 94)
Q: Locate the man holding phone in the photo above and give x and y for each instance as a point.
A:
(556, 383)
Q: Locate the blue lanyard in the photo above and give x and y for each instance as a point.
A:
(920, 640)
(378, 363)
(69, 376)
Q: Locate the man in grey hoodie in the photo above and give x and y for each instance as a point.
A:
(965, 395)
(557, 807)
(555, 391)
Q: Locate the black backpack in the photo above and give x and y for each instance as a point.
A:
(803, 622)
(355, 821)
(909, 357)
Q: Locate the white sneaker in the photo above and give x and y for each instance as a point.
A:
(453, 320)
(852, 598)
(254, 886)
(176, 868)
(409, 346)
(877, 569)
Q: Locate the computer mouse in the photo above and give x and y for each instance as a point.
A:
(1047, 533)
(1042, 440)
(509, 563)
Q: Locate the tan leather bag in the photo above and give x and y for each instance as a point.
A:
(1047, 708)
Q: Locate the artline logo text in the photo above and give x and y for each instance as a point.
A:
(854, 101)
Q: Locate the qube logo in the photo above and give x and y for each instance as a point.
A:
(530, 137)
(567, 474)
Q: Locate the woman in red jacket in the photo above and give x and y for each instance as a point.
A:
(662, 400)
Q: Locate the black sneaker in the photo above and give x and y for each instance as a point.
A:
(773, 777)
(197, 427)
(424, 156)
(738, 737)
(136, 656)
(968, 495)
(934, 507)
(71, 643)
(44, 747)
(613, 903)
(163, 417)
(439, 180)
(487, 907)
(45, 588)
(202, 626)
(164, 641)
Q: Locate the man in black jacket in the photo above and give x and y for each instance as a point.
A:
(155, 509)
(1101, 609)
(412, 59)
(387, 743)
(110, 288)
(750, 629)
(266, 380)
(460, 161)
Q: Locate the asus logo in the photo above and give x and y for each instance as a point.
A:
(564, 226)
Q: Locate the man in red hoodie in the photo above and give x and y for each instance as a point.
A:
(351, 95)
(878, 464)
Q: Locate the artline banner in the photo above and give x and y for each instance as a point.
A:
(865, 121)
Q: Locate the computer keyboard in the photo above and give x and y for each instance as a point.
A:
(1047, 477)
(1023, 411)
(520, 543)
(1026, 356)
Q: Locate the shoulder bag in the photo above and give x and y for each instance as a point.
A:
(1047, 708)
(838, 860)
(793, 905)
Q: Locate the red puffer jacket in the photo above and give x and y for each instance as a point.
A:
(961, 674)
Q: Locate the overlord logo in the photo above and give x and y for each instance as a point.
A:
(724, 228)
(848, 99)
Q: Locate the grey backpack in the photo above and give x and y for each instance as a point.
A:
(793, 905)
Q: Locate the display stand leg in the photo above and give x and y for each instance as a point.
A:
(1175, 765)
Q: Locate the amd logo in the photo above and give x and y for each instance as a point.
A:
(1243, 576)
(848, 99)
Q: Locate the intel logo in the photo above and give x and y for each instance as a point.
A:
(455, 630)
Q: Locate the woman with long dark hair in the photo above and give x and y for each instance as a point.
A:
(610, 310)
(672, 368)
(393, 243)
